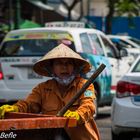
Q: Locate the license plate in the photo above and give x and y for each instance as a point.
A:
(33, 75)
(136, 98)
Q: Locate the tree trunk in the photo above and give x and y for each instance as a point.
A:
(70, 8)
(111, 6)
(108, 22)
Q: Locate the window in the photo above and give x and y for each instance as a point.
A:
(110, 49)
(85, 43)
(137, 67)
(119, 44)
(137, 41)
(127, 45)
(35, 46)
(96, 45)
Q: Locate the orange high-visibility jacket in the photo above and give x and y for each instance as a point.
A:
(46, 98)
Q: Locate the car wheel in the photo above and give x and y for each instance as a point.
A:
(120, 136)
(114, 136)
(117, 136)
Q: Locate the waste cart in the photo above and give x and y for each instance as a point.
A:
(27, 126)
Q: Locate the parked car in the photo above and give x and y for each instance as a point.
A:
(125, 112)
(130, 44)
(104, 46)
(124, 51)
(20, 49)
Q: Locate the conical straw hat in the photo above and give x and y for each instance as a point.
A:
(42, 67)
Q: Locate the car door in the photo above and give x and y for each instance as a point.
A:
(119, 66)
(95, 57)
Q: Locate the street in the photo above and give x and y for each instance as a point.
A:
(104, 123)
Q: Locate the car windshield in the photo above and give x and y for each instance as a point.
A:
(137, 41)
(32, 47)
(137, 67)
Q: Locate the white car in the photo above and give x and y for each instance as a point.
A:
(120, 65)
(131, 44)
(125, 113)
(21, 48)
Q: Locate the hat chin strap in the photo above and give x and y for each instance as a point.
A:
(64, 81)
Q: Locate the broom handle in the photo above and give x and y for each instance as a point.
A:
(81, 91)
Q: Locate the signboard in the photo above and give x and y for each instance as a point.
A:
(65, 24)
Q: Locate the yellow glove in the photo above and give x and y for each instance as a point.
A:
(7, 108)
(73, 114)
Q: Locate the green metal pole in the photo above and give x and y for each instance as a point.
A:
(11, 15)
(17, 14)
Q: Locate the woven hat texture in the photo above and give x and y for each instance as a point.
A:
(42, 67)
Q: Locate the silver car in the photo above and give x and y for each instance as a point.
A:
(125, 114)
(130, 44)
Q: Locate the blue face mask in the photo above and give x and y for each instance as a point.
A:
(64, 81)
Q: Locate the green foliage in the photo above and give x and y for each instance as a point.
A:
(127, 7)
(4, 27)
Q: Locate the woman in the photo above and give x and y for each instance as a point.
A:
(65, 67)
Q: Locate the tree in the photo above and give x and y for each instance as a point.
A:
(69, 6)
(128, 8)
(111, 6)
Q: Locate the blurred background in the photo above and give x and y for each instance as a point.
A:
(110, 16)
(118, 19)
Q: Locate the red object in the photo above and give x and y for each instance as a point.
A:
(20, 121)
(127, 89)
(1, 73)
(24, 126)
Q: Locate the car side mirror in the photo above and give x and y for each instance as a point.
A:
(123, 52)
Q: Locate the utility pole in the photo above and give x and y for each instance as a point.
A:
(70, 7)
(17, 14)
(10, 15)
(88, 9)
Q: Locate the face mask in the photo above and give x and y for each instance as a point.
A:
(64, 81)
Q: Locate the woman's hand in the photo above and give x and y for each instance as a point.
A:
(7, 108)
(72, 114)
